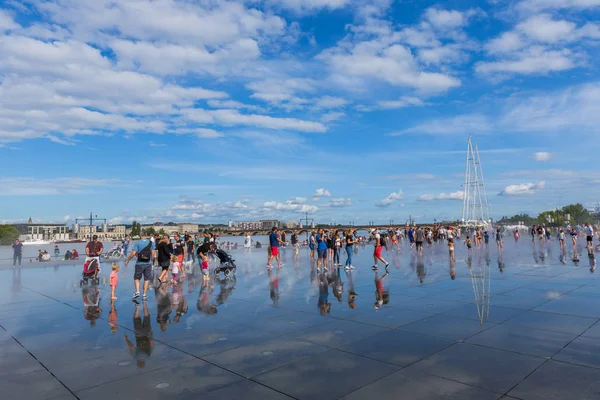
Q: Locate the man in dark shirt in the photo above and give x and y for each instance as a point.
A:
(204, 249)
(179, 248)
(17, 252)
(189, 242)
(94, 248)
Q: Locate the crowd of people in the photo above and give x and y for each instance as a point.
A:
(172, 257)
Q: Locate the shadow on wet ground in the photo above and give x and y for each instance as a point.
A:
(523, 324)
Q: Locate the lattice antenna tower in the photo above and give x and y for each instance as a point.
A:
(475, 203)
(481, 282)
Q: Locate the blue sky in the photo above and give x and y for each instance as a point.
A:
(351, 110)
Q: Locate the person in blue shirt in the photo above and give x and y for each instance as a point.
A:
(125, 244)
(486, 237)
(17, 252)
(321, 250)
(143, 249)
(274, 241)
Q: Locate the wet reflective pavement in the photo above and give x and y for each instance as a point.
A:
(521, 325)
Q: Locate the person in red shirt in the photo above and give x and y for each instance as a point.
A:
(94, 248)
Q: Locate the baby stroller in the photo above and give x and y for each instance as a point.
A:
(227, 264)
(90, 271)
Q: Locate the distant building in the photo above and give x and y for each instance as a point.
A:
(172, 228)
(268, 224)
(247, 226)
(106, 232)
(32, 231)
(290, 225)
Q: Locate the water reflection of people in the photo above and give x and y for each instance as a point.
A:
(338, 285)
(203, 304)
(163, 307)
(501, 262)
(226, 286)
(112, 317)
(452, 268)
(382, 296)
(16, 281)
(144, 340)
(91, 304)
(274, 287)
(421, 273)
(323, 304)
(575, 257)
(178, 302)
(351, 293)
(592, 259)
(563, 256)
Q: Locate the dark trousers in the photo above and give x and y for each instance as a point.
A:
(17, 257)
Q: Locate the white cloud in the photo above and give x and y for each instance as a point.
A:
(542, 156)
(459, 125)
(290, 206)
(332, 116)
(539, 5)
(390, 199)
(573, 110)
(523, 188)
(23, 186)
(375, 52)
(322, 193)
(6, 22)
(230, 117)
(543, 28)
(537, 45)
(406, 101)
(327, 102)
(339, 203)
(458, 195)
(447, 19)
(310, 5)
(535, 60)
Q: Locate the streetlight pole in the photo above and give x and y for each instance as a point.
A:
(91, 220)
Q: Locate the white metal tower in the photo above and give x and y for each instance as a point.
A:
(475, 204)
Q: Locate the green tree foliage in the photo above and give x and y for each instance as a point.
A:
(515, 219)
(150, 231)
(135, 228)
(8, 234)
(578, 213)
(161, 232)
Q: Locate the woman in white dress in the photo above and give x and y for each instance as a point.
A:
(248, 243)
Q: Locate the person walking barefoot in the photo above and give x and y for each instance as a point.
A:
(114, 280)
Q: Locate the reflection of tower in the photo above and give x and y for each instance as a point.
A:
(481, 280)
(475, 204)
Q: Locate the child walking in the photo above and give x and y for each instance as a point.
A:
(175, 267)
(114, 280)
(205, 271)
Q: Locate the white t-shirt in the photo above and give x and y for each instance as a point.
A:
(377, 238)
(175, 268)
(589, 231)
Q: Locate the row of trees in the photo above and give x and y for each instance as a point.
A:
(8, 234)
(578, 215)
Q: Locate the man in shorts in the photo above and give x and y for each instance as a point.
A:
(179, 248)
(274, 242)
(589, 233)
(144, 250)
(377, 251)
(321, 240)
(419, 237)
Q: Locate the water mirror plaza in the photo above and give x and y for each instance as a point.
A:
(522, 323)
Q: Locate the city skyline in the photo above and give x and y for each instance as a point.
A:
(348, 110)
